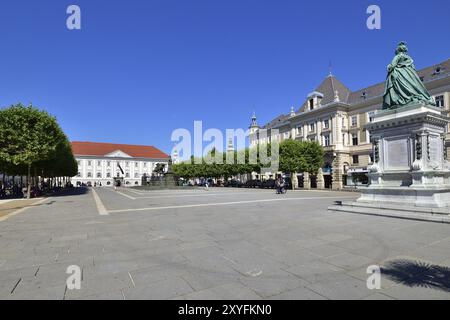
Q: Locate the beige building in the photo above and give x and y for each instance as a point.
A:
(335, 116)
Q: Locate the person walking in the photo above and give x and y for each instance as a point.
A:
(282, 186)
(277, 185)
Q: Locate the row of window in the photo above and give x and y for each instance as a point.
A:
(108, 164)
(439, 101)
(108, 175)
(108, 183)
(312, 127)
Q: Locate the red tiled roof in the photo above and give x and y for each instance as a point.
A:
(101, 149)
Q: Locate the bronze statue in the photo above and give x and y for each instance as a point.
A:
(403, 85)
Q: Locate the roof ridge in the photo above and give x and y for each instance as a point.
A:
(418, 71)
(114, 144)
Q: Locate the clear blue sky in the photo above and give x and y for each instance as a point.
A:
(139, 69)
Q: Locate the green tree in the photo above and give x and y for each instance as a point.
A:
(313, 157)
(300, 156)
(27, 137)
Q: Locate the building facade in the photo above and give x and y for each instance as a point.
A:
(100, 164)
(335, 117)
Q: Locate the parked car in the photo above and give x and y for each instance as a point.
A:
(253, 184)
(288, 183)
(268, 184)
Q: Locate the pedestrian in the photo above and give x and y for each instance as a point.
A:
(282, 185)
(277, 185)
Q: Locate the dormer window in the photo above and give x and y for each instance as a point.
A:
(314, 100)
(438, 70)
(364, 95)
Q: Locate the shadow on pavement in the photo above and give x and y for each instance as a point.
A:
(418, 274)
(70, 192)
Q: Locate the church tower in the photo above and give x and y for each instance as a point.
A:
(253, 137)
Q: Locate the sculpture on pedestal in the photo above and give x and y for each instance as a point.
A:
(410, 175)
(403, 84)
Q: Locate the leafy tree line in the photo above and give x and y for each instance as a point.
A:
(33, 144)
(294, 156)
(211, 167)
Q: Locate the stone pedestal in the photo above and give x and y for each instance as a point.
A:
(410, 166)
(320, 180)
(337, 173)
(306, 181)
(294, 180)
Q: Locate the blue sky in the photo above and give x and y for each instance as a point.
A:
(139, 69)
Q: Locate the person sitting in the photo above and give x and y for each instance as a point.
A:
(278, 185)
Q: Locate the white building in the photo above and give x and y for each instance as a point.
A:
(102, 163)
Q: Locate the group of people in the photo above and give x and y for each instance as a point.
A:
(12, 190)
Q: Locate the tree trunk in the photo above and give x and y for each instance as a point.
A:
(29, 182)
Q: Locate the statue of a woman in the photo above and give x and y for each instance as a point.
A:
(403, 85)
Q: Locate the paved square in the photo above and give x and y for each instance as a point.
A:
(217, 244)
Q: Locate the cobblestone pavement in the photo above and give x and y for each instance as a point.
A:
(217, 244)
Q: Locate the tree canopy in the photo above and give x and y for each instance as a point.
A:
(301, 156)
(31, 139)
(294, 156)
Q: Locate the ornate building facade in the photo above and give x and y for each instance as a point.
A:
(335, 117)
(101, 164)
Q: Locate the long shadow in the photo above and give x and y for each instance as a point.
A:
(58, 193)
(70, 192)
(418, 274)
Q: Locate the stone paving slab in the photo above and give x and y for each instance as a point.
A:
(292, 248)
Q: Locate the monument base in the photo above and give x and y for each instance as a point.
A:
(436, 197)
(410, 171)
(403, 211)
